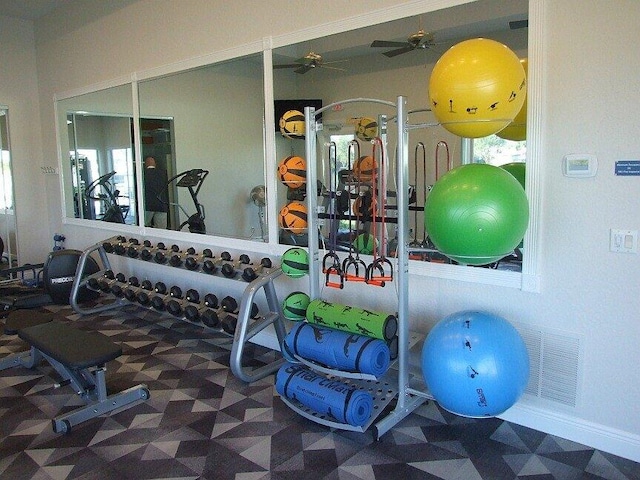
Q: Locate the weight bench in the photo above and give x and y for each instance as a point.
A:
(80, 358)
(16, 320)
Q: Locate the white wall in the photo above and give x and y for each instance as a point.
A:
(590, 104)
(19, 92)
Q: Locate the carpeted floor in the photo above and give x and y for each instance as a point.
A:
(203, 423)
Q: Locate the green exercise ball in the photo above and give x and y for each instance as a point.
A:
(517, 169)
(476, 214)
(365, 243)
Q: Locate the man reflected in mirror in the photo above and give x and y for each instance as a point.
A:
(155, 194)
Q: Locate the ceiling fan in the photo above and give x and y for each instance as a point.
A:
(310, 61)
(418, 40)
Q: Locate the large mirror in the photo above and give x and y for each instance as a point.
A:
(97, 155)
(8, 240)
(382, 62)
(203, 130)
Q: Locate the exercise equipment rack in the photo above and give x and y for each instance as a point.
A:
(407, 390)
(247, 325)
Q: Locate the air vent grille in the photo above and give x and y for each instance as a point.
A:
(555, 360)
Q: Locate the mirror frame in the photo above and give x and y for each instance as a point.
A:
(527, 280)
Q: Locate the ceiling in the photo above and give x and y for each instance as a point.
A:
(28, 9)
(481, 18)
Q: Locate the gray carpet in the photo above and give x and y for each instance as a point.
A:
(203, 423)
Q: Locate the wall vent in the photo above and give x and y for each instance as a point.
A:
(555, 359)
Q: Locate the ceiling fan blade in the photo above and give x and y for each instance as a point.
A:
(303, 69)
(399, 51)
(288, 65)
(516, 24)
(333, 61)
(324, 65)
(387, 44)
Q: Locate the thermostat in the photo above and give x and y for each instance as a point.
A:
(579, 165)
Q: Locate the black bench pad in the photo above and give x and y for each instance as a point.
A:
(76, 349)
(19, 319)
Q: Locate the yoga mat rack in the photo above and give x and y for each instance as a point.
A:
(246, 327)
(400, 380)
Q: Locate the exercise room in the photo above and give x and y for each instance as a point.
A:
(332, 240)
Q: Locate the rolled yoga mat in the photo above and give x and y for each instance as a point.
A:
(352, 319)
(339, 350)
(340, 400)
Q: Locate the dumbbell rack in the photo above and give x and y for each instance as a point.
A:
(248, 325)
(395, 384)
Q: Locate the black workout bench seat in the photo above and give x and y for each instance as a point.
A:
(80, 358)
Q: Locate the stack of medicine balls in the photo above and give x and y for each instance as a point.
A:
(295, 264)
(292, 172)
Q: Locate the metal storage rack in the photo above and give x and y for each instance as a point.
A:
(395, 385)
(246, 328)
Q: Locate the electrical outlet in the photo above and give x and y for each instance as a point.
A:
(623, 241)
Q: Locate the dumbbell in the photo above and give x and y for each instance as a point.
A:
(119, 249)
(249, 274)
(117, 290)
(192, 312)
(145, 253)
(143, 297)
(94, 283)
(230, 322)
(160, 257)
(130, 292)
(147, 243)
(192, 262)
(110, 246)
(228, 268)
(160, 288)
(209, 266)
(175, 260)
(211, 316)
(173, 306)
(106, 283)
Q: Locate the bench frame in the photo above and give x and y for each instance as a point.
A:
(88, 382)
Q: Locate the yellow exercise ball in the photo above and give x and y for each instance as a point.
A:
(477, 87)
(517, 130)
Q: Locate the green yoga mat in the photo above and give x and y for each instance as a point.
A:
(352, 319)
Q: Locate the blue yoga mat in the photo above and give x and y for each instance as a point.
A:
(342, 401)
(339, 350)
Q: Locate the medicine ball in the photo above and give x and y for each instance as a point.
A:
(59, 273)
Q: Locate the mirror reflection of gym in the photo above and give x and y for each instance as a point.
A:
(385, 55)
(97, 159)
(216, 117)
(8, 229)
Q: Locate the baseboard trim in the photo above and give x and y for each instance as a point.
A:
(611, 440)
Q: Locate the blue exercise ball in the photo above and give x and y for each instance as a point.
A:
(475, 364)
